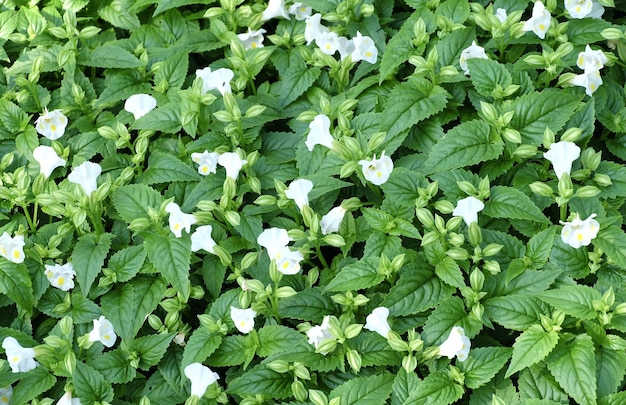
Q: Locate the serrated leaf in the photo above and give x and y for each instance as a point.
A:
(573, 261)
(90, 385)
(233, 351)
(88, 257)
(165, 168)
(516, 312)
(464, 145)
(403, 384)
(171, 257)
(127, 262)
(539, 247)
(416, 293)
(11, 116)
(537, 384)
(307, 305)
(375, 351)
(399, 48)
(262, 380)
(403, 184)
(371, 390)
(356, 276)
(15, 282)
(151, 348)
(574, 300)
(613, 242)
(121, 85)
(449, 272)
(173, 70)
(132, 201)
(437, 388)
(532, 346)
(486, 74)
(110, 56)
(456, 10)
(31, 384)
(201, 344)
(610, 369)
(115, 366)
(449, 313)
(297, 79)
(277, 338)
(164, 119)
(378, 243)
(529, 282)
(573, 365)
(508, 202)
(483, 364)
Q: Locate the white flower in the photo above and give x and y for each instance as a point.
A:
(377, 170)
(364, 49)
(562, 154)
(580, 233)
(201, 377)
(578, 8)
(319, 333)
(332, 221)
(21, 359)
(103, 332)
(471, 52)
(328, 42)
(51, 124)
(274, 240)
(457, 344)
(275, 9)
(86, 176)
(232, 163)
(218, 80)
(12, 249)
(539, 21)
(313, 28)
(243, 319)
(48, 159)
(298, 191)
(68, 400)
(590, 80)
(300, 10)
(288, 261)
(252, 39)
(140, 104)
(468, 208)
(6, 393)
(179, 220)
(202, 239)
(61, 277)
(207, 162)
(501, 15)
(591, 60)
(319, 132)
(345, 47)
(596, 11)
(377, 321)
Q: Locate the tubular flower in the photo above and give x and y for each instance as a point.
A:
(377, 170)
(319, 333)
(501, 15)
(51, 124)
(202, 239)
(12, 248)
(471, 52)
(298, 191)
(364, 49)
(468, 208)
(207, 162)
(243, 319)
(61, 277)
(300, 10)
(328, 42)
(332, 221)
(103, 332)
(345, 47)
(140, 104)
(591, 60)
(273, 239)
(578, 8)
(201, 377)
(232, 163)
(179, 220)
(48, 159)
(218, 80)
(377, 321)
(6, 393)
(288, 261)
(68, 400)
(252, 39)
(319, 133)
(275, 9)
(21, 359)
(457, 344)
(562, 154)
(590, 80)
(579, 233)
(86, 176)
(313, 28)
(539, 21)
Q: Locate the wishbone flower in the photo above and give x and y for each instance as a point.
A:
(332, 221)
(178, 220)
(313, 28)
(471, 52)
(539, 21)
(273, 239)
(252, 39)
(6, 393)
(377, 321)
(298, 191)
(319, 333)
(468, 208)
(300, 10)
(67, 399)
(591, 59)
(202, 239)
(364, 49)
(345, 47)
(201, 377)
(377, 170)
(579, 233)
(319, 133)
(51, 124)
(562, 154)
(140, 104)
(21, 359)
(275, 9)
(207, 162)
(288, 261)
(218, 80)
(103, 332)
(61, 277)
(457, 344)
(328, 42)
(232, 163)
(12, 248)
(86, 176)
(48, 159)
(578, 8)
(243, 319)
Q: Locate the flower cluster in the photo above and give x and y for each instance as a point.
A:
(591, 61)
(358, 48)
(208, 161)
(275, 240)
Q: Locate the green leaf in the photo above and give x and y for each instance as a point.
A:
(464, 145)
(114, 366)
(12, 117)
(610, 369)
(173, 70)
(250, 226)
(127, 262)
(574, 300)
(399, 48)
(615, 399)
(573, 261)
(201, 344)
(449, 272)
(449, 48)
(110, 56)
(540, 246)
(297, 79)
(532, 346)
(449, 313)
(586, 31)
(134, 201)
(403, 384)
(118, 14)
(573, 365)
(356, 276)
(617, 173)
(164, 5)
(121, 85)
(88, 258)
(437, 388)
(90, 385)
(516, 312)
(613, 242)
(151, 348)
(277, 338)
(378, 243)
(171, 257)
(32, 384)
(403, 184)
(262, 380)
(164, 119)
(16, 284)
(165, 168)
(508, 202)
(483, 364)
(416, 293)
(371, 390)
(307, 305)
(535, 111)
(456, 11)
(486, 74)
(374, 350)
(537, 382)
(233, 351)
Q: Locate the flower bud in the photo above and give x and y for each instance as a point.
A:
(318, 397)
(279, 366)
(525, 151)
(334, 240)
(541, 189)
(571, 134)
(587, 191)
(512, 135)
(613, 34)
(354, 360)
(409, 363)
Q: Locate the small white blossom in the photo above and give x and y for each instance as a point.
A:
(298, 191)
(468, 208)
(591, 60)
(252, 39)
(319, 333)
(539, 21)
(48, 159)
(328, 42)
(218, 80)
(12, 248)
(274, 240)
(596, 11)
(377, 321)
(364, 49)
(319, 133)
(457, 344)
(140, 104)
(332, 221)
(313, 28)
(288, 261)
(51, 124)
(578, 8)
(275, 9)
(232, 163)
(103, 332)
(501, 15)
(6, 393)
(590, 80)
(86, 176)
(202, 239)
(179, 220)
(471, 52)
(61, 277)
(300, 10)
(201, 377)
(562, 154)
(377, 170)
(68, 400)
(243, 319)
(21, 359)
(579, 233)
(345, 47)
(207, 162)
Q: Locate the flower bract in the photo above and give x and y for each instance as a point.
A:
(61, 277)
(332, 221)
(86, 176)
(319, 133)
(48, 159)
(457, 344)
(202, 239)
(377, 170)
(207, 162)
(178, 220)
(215, 80)
(471, 52)
(243, 319)
(140, 104)
(539, 22)
(21, 359)
(103, 332)
(377, 321)
(201, 377)
(12, 248)
(579, 232)
(51, 124)
(562, 154)
(298, 191)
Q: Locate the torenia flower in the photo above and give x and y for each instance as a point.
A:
(332, 221)
(61, 277)
(12, 249)
(345, 47)
(471, 52)
(86, 176)
(6, 393)
(252, 39)
(103, 332)
(48, 159)
(313, 28)
(21, 359)
(377, 170)
(501, 15)
(319, 133)
(201, 377)
(179, 220)
(218, 80)
(580, 233)
(243, 319)
(596, 11)
(578, 8)
(207, 162)
(232, 163)
(562, 154)
(457, 344)
(68, 400)
(328, 42)
(300, 10)
(298, 191)
(51, 124)
(468, 208)
(591, 60)
(273, 239)
(364, 49)
(319, 333)
(202, 239)
(275, 9)
(590, 80)
(377, 321)
(140, 104)
(288, 261)
(539, 21)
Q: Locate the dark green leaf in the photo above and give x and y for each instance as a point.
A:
(508, 202)
(32, 384)
(88, 257)
(114, 366)
(133, 201)
(277, 338)
(262, 380)
(110, 56)
(201, 345)
(307, 305)
(127, 262)
(437, 388)
(574, 300)
(362, 274)
(151, 348)
(532, 346)
(16, 284)
(371, 390)
(90, 385)
(482, 365)
(416, 293)
(165, 168)
(516, 312)
(171, 256)
(486, 74)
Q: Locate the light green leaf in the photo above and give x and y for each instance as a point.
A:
(449, 313)
(613, 242)
(449, 272)
(610, 369)
(516, 312)
(574, 300)
(573, 365)
(308, 305)
(403, 384)
(173, 70)
(464, 145)
(277, 338)
(31, 384)
(115, 366)
(486, 74)
(151, 348)
(12, 117)
(90, 385)
(297, 79)
(233, 351)
(508, 202)
(437, 388)
(134, 200)
(482, 365)
(127, 262)
(615, 399)
(165, 168)
(262, 380)
(164, 119)
(121, 85)
(171, 257)
(416, 293)
(16, 284)
(164, 5)
(201, 344)
(88, 257)
(356, 276)
(118, 14)
(532, 346)
(617, 173)
(456, 10)
(371, 390)
(110, 56)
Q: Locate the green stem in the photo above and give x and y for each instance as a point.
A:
(29, 219)
(274, 302)
(563, 213)
(320, 255)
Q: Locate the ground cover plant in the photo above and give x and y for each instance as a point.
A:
(326, 202)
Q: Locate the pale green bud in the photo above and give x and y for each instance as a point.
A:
(409, 363)
(334, 240)
(541, 189)
(512, 135)
(571, 134)
(525, 151)
(444, 206)
(318, 397)
(354, 360)
(587, 191)
(279, 366)
(353, 330)
(602, 179)
(612, 34)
